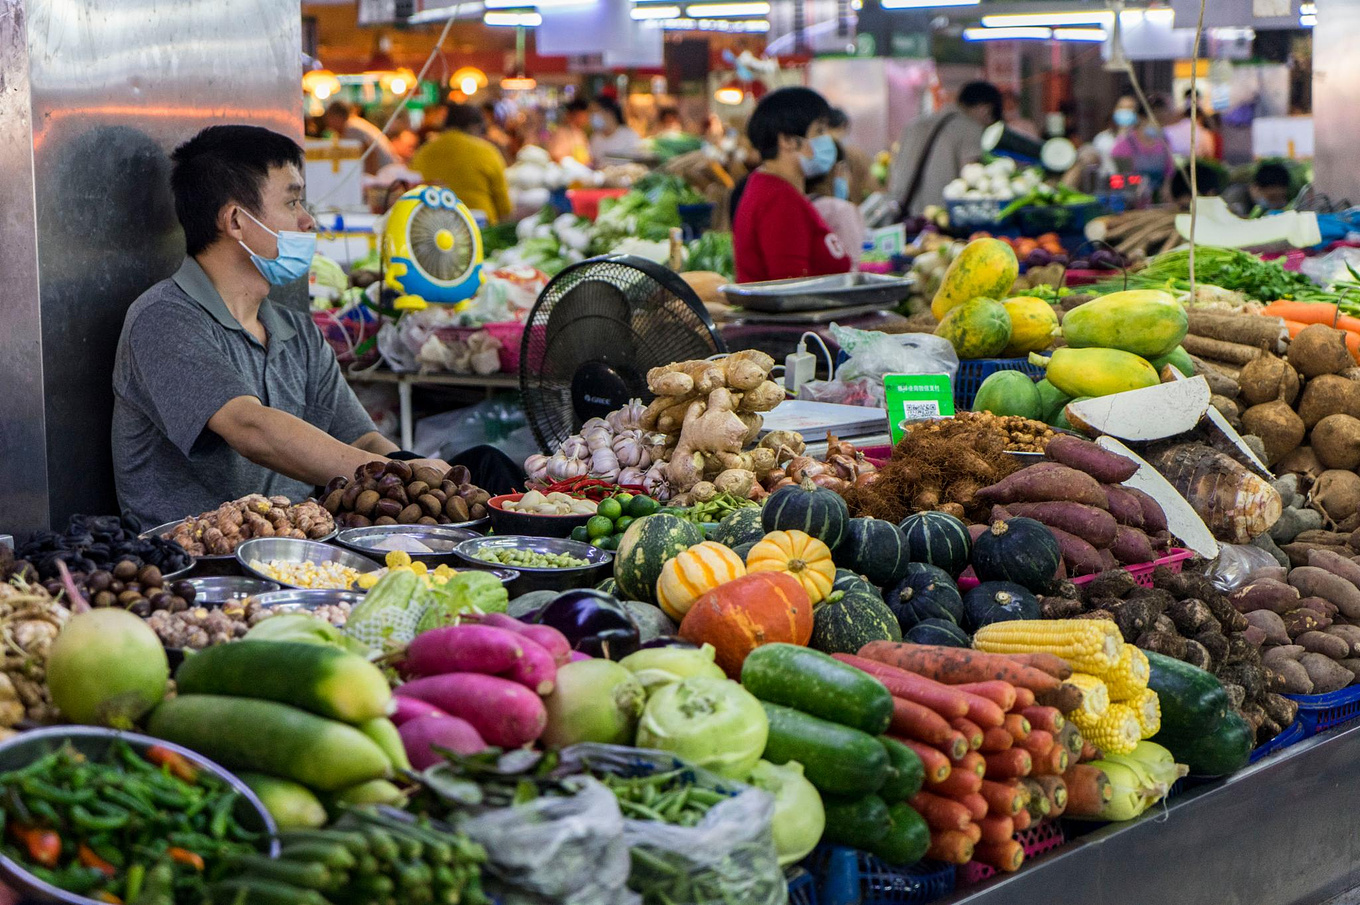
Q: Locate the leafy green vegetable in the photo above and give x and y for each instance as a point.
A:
(712, 251)
(468, 590)
(1228, 268)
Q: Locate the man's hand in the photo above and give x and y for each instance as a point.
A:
(439, 464)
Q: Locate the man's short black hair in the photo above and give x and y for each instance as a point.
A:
(610, 106)
(666, 113)
(340, 108)
(465, 117)
(1271, 176)
(224, 165)
(785, 111)
(837, 119)
(1206, 179)
(978, 94)
(576, 105)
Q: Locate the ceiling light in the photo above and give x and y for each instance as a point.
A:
(518, 83)
(925, 4)
(521, 19)
(723, 10)
(1308, 21)
(656, 12)
(1307, 9)
(1040, 20)
(731, 26)
(1007, 34)
(1079, 34)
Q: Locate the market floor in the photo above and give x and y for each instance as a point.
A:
(1349, 897)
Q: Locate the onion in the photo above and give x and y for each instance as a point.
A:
(800, 467)
(831, 482)
(844, 466)
(594, 701)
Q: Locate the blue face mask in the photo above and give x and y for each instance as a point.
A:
(840, 187)
(823, 156)
(294, 258)
(1124, 119)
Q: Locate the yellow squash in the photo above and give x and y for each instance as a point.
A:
(985, 267)
(1146, 322)
(693, 573)
(798, 554)
(1096, 372)
(1033, 325)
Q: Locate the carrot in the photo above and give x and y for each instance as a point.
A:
(953, 665)
(1038, 743)
(1056, 792)
(1023, 697)
(1049, 719)
(953, 847)
(1017, 726)
(921, 723)
(976, 805)
(1004, 798)
(1022, 821)
(940, 698)
(1054, 763)
(972, 762)
(940, 813)
(995, 740)
(957, 784)
(957, 747)
(1069, 736)
(1006, 856)
(1303, 312)
(970, 730)
(996, 828)
(1066, 697)
(936, 764)
(1000, 693)
(1089, 752)
(974, 832)
(1009, 764)
(982, 711)
(1088, 790)
(1052, 664)
(1037, 804)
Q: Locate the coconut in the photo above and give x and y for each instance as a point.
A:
(107, 668)
(1302, 462)
(1281, 429)
(1329, 394)
(1337, 494)
(1318, 350)
(1267, 378)
(1336, 440)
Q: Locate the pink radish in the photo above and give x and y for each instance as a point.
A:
(535, 670)
(553, 641)
(505, 713)
(464, 648)
(409, 709)
(577, 656)
(420, 737)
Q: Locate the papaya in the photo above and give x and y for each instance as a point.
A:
(1051, 400)
(979, 328)
(1008, 393)
(985, 267)
(1178, 358)
(1033, 325)
(1146, 322)
(1096, 372)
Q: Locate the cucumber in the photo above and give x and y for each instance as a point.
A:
(262, 892)
(836, 759)
(906, 841)
(326, 681)
(1199, 726)
(292, 806)
(906, 773)
(857, 822)
(384, 734)
(817, 684)
(308, 875)
(375, 791)
(265, 737)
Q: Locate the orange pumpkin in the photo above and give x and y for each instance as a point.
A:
(799, 554)
(693, 573)
(756, 609)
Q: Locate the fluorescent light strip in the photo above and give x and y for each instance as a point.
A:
(725, 10)
(462, 10)
(1079, 34)
(526, 19)
(1007, 34)
(1308, 21)
(1041, 20)
(751, 26)
(656, 12)
(925, 4)
(1307, 9)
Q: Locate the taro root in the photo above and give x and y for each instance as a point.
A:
(1281, 429)
(1318, 350)
(1336, 442)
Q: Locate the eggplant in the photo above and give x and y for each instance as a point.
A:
(668, 641)
(593, 622)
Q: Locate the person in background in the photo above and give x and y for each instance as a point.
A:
(404, 139)
(1178, 135)
(1122, 119)
(830, 195)
(934, 148)
(776, 232)
(668, 122)
(1270, 189)
(495, 133)
(1015, 118)
(467, 163)
(610, 136)
(569, 139)
(857, 163)
(343, 119)
(1206, 182)
(1144, 151)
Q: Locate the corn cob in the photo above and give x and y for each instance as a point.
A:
(1095, 696)
(1148, 708)
(1129, 679)
(1116, 732)
(1090, 645)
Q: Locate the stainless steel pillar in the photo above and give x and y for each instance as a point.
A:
(1336, 93)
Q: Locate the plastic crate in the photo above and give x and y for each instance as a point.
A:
(1321, 712)
(586, 202)
(1056, 218)
(802, 887)
(1292, 733)
(975, 214)
(1038, 839)
(1142, 573)
(972, 372)
(509, 333)
(848, 876)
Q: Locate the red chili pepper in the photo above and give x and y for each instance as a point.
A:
(184, 856)
(177, 763)
(44, 846)
(106, 896)
(89, 858)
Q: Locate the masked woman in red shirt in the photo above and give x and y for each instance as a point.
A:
(776, 232)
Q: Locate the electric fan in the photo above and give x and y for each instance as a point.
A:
(432, 249)
(596, 331)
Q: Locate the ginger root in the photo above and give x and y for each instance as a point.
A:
(736, 481)
(763, 398)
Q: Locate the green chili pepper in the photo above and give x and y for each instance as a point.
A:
(93, 823)
(129, 801)
(221, 813)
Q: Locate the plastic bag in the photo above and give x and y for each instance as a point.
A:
(859, 379)
(1339, 266)
(556, 851)
(728, 857)
(1235, 564)
(497, 421)
(860, 391)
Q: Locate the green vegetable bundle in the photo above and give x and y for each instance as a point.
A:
(1227, 268)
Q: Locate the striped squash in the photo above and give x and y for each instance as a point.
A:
(798, 554)
(694, 573)
(939, 539)
(806, 507)
(644, 549)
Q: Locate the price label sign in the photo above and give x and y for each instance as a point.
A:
(916, 397)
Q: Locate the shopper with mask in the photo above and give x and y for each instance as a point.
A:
(219, 392)
(610, 136)
(1143, 150)
(777, 233)
(1124, 118)
(830, 195)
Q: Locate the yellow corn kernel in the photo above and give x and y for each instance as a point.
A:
(1117, 731)
(1095, 696)
(1090, 645)
(397, 559)
(1129, 679)
(1147, 707)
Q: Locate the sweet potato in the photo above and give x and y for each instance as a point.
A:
(1351, 664)
(1348, 633)
(464, 648)
(1288, 677)
(422, 735)
(1274, 573)
(1299, 551)
(1283, 652)
(1313, 581)
(1319, 606)
(1154, 519)
(1327, 676)
(1047, 481)
(1105, 466)
(1095, 526)
(1337, 564)
(1124, 506)
(408, 709)
(1266, 594)
(1271, 624)
(1323, 643)
(504, 713)
(547, 637)
(1132, 546)
(1081, 558)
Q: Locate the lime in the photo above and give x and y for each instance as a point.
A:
(641, 505)
(623, 498)
(622, 524)
(608, 543)
(610, 509)
(579, 533)
(599, 526)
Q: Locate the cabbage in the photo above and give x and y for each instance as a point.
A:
(326, 274)
(656, 667)
(799, 817)
(712, 723)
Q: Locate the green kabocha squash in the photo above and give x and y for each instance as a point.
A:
(743, 549)
(875, 549)
(741, 527)
(939, 539)
(847, 581)
(644, 549)
(845, 625)
(997, 601)
(806, 507)
(940, 632)
(1021, 550)
(927, 592)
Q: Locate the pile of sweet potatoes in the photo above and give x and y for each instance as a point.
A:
(1078, 494)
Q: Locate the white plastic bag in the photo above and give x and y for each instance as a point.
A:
(1235, 564)
(873, 354)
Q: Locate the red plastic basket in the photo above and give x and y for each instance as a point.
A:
(586, 202)
(509, 333)
(1038, 839)
(1142, 572)
(345, 335)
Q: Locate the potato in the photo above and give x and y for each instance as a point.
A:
(1329, 395)
(1336, 441)
(1318, 350)
(1326, 674)
(1290, 677)
(1323, 643)
(1271, 624)
(1278, 426)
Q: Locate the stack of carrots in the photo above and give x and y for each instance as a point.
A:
(1298, 315)
(998, 753)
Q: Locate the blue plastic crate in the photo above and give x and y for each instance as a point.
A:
(695, 220)
(1320, 712)
(975, 214)
(972, 372)
(848, 876)
(1292, 733)
(802, 887)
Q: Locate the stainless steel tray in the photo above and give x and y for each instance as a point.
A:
(814, 293)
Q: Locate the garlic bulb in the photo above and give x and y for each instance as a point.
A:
(594, 423)
(598, 438)
(656, 446)
(655, 482)
(632, 476)
(562, 467)
(627, 417)
(536, 467)
(575, 447)
(604, 464)
(628, 447)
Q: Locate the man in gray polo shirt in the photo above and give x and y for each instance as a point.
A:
(218, 392)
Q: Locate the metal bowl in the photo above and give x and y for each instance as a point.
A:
(529, 579)
(439, 538)
(216, 590)
(93, 742)
(214, 563)
(304, 600)
(290, 549)
(504, 521)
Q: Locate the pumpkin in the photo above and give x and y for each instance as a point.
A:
(693, 573)
(926, 592)
(744, 550)
(847, 581)
(806, 507)
(939, 539)
(737, 617)
(875, 549)
(645, 547)
(998, 601)
(741, 527)
(844, 626)
(1021, 550)
(940, 632)
(800, 555)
